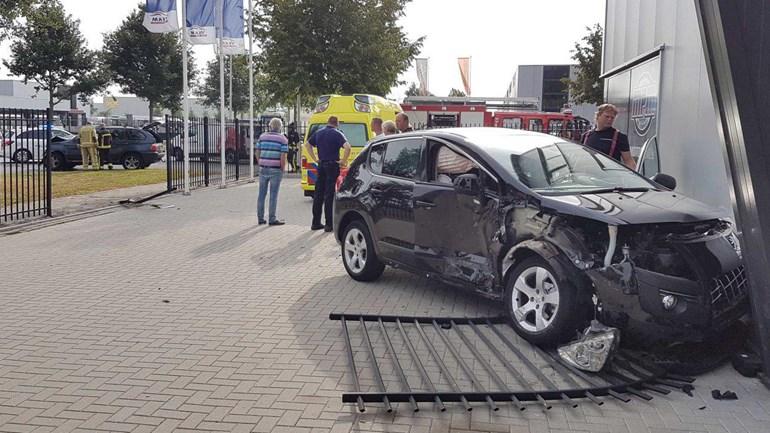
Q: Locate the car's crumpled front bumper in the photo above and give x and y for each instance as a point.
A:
(657, 306)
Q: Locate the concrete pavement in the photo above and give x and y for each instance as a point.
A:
(187, 316)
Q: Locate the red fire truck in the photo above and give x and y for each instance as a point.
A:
(516, 113)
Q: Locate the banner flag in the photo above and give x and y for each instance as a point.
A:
(232, 37)
(422, 75)
(465, 73)
(201, 21)
(160, 16)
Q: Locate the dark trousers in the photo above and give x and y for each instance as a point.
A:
(324, 191)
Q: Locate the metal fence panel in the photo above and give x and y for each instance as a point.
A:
(26, 177)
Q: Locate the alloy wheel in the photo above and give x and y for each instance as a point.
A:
(535, 299)
(355, 250)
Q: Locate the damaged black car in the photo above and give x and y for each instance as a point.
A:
(558, 232)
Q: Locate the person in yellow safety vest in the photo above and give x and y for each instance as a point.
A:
(88, 141)
(104, 145)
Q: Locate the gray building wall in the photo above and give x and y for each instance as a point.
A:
(527, 81)
(686, 121)
(16, 94)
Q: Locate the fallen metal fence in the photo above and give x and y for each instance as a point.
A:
(26, 178)
(478, 360)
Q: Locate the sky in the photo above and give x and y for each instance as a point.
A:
(498, 35)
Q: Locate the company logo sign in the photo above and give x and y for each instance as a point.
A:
(644, 103)
(159, 18)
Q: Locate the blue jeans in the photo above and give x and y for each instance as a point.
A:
(268, 176)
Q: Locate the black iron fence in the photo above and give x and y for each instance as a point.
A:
(26, 179)
(206, 150)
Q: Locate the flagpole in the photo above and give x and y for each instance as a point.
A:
(251, 96)
(223, 125)
(230, 95)
(185, 90)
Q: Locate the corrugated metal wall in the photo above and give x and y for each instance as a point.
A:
(687, 129)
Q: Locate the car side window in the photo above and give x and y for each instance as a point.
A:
(23, 135)
(446, 164)
(650, 165)
(118, 134)
(402, 158)
(133, 134)
(375, 158)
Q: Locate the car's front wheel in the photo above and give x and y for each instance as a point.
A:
(58, 162)
(543, 309)
(358, 253)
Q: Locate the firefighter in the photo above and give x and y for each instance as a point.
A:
(104, 145)
(88, 141)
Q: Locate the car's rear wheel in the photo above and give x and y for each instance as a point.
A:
(22, 155)
(58, 162)
(132, 161)
(543, 309)
(358, 253)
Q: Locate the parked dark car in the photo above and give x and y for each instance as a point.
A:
(131, 147)
(543, 225)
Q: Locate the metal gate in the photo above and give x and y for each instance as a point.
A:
(479, 360)
(26, 177)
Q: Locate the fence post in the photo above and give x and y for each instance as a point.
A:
(48, 177)
(237, 149)
(206, 151)
(169, 148)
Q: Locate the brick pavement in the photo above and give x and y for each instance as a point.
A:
(193, 318)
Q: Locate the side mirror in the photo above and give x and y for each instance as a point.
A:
(468, 184)
(665, 180)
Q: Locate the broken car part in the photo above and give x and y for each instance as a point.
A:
(593, 349)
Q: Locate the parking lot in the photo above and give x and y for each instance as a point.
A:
(184, 314)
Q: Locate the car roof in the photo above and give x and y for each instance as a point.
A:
(491, 140)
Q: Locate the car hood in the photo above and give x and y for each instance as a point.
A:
(619, 208)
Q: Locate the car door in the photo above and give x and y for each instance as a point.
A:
(453, 228)
(396, 165)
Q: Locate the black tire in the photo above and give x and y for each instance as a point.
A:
(358, 255)
(22, 155)
(308, 193)
(132, 161)
(231, 157)
(58, 162)
(559, 314)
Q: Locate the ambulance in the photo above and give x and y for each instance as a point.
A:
(355, 114)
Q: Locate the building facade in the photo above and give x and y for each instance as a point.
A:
(655, 72)
(545, 82)
(14, 94)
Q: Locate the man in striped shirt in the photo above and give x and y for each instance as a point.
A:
(272, 148)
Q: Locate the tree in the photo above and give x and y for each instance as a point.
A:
(51, 51)
(413, 90)
(209, 90)
(10, 10)
(456, 92)
(315, 47)
(588, 87)
(149, 65)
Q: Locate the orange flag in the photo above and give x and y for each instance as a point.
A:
(465, 73)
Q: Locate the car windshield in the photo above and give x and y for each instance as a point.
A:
(569, 168)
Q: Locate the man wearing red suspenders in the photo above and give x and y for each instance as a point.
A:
(607, 139)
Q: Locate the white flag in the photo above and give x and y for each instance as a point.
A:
(422, 75)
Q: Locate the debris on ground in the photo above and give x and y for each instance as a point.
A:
(727, 395)
(593, 349)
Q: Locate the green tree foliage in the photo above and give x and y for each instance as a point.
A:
(149, 65)
(51, 51)
(588, 87)
(456, 92)
(209, 90)
(10, 11)
(413, 90)
(315, 47)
